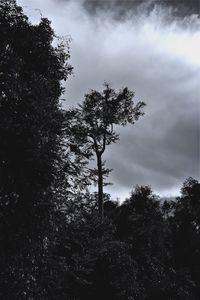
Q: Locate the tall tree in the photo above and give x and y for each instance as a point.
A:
(31, 70)
(92, 125)
(186, 229)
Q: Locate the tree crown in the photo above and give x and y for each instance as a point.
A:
(93, 120)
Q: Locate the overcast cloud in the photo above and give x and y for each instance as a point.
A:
(157, 56)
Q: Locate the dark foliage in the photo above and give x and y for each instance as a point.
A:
(30, 137)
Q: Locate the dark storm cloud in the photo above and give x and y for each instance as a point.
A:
(125, 8)
(122, 9)
(118, 9)
(153, 54)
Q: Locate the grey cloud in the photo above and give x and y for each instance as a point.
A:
(162, 149)
(121, 9)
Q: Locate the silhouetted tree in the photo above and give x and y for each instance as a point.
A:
(186, 228)
(31, 69)
(92, 125)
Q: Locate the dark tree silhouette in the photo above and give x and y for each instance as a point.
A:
(92, 125)
(142, 224)
(186, 228)
(30, 154)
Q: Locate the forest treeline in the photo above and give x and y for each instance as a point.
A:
(58, 240)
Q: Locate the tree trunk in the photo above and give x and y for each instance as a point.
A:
(100, 185)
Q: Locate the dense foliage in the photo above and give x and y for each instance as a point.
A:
(30, 137)
(53, 244)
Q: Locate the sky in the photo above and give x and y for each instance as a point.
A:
(155, 51)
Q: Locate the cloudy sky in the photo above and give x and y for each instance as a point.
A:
(155, 51)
